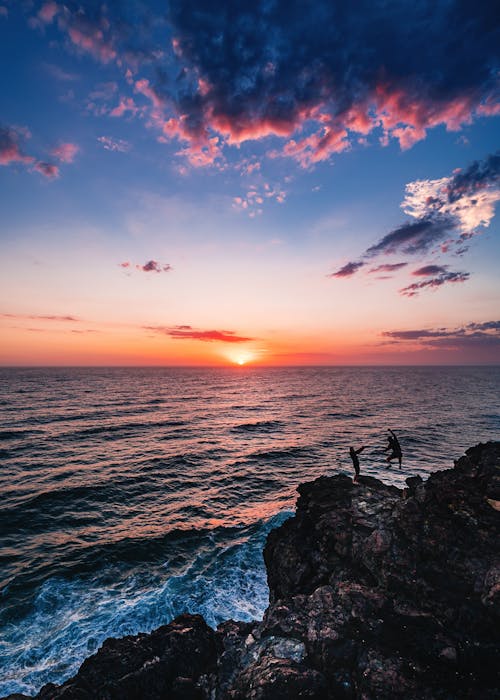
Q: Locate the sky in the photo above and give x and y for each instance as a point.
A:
(249, 182)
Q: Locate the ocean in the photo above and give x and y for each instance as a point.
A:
(130, 495)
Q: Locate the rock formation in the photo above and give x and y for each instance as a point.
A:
(375, 593)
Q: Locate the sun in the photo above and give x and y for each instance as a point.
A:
(241, 358)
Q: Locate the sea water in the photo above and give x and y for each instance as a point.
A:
(129, 496)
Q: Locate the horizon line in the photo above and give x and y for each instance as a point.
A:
(249, 366)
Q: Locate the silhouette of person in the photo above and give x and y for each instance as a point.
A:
(354, 456)
(395, 447)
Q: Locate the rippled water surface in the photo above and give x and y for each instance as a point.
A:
(131, 495)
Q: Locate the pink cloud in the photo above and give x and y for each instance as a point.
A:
(126, 104)
(201, 150)
(10, 151)
(317, 147)
(65, 152)
(47, 12)
(48, 170)
(91, 39)
(189, 333)
(154, 266)
(144, 88)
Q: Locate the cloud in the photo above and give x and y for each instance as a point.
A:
(48, 170)
(189, 333)
(47, 12)
(11, 152)
(44, 16)
(348, 270)
(41, 317)
(474, 335)
(149, 266)
(116, 145)
(428, 270)
(4, 12)
(271, 69)
(88, 31)
(154, 266)
(467, 198)
(124, 106)
(389, 267)
(65, 152)
(10, 149)
(448, 212)
(413, 290)
(412, 237)
(256, 196)
(316, 81)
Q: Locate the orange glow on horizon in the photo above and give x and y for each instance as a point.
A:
(241, 357)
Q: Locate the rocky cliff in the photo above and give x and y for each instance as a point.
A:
(375, 592)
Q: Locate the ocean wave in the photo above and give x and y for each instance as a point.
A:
(18, 434)
(69, 619)
(264, 426)
(113, 429)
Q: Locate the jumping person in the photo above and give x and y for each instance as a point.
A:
(395, 447)
(354, 456)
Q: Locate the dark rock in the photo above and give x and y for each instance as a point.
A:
(375, 593)
(412, 596)
(166, 663)
(272, 678)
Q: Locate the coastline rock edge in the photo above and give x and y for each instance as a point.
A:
(375, 592)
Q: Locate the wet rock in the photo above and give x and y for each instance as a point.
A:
(375, 593)
(169, 662)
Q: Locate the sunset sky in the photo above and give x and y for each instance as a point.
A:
(271, 182)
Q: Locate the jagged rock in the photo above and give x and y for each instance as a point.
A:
(394, 593)
(375, 593)
(166, 663)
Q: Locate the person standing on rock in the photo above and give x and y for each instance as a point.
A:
(397, 452)
(354, 456)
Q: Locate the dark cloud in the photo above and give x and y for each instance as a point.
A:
(153, 266)
(189, 333)
(267, 66)
(478, 176)
(447, 212)
(412, 237)
(389, 267)
(485, 326)
(473, 335)
(349, 269)
(323, 72)
(428, 270)
(444, 278)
